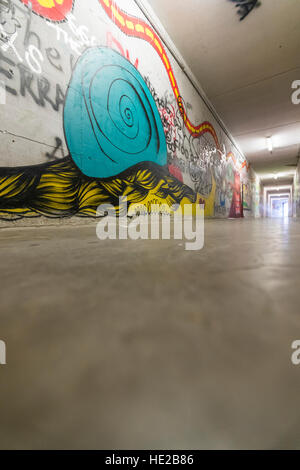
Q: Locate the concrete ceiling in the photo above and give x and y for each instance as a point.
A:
(246, 68)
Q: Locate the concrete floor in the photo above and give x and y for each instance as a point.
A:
(144, 345)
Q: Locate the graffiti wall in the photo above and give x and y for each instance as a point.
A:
(296, 190)
(256, 195)
(94, 107)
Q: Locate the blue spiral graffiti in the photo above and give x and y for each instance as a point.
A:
(110, 118)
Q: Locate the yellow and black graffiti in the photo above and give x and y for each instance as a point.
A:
(60, 189)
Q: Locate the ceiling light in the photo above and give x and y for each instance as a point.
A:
(269, 144)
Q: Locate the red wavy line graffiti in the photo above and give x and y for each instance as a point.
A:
(138, 28)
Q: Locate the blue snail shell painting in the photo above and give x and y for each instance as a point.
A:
(111, 121)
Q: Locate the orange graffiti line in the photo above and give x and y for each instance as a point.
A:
(246, 165)
(231, 155)
(243, 165)
(136, 27)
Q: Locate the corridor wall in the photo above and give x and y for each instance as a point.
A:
(94, 107)
(296, 191)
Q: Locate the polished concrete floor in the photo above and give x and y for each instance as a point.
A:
(145, 345)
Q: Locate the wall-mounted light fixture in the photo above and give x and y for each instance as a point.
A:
(269, 144)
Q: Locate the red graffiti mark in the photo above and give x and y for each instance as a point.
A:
(168, 118)
(55, 10)
(113, 43)
(236, 204)
(136, 27)
(175, 171)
